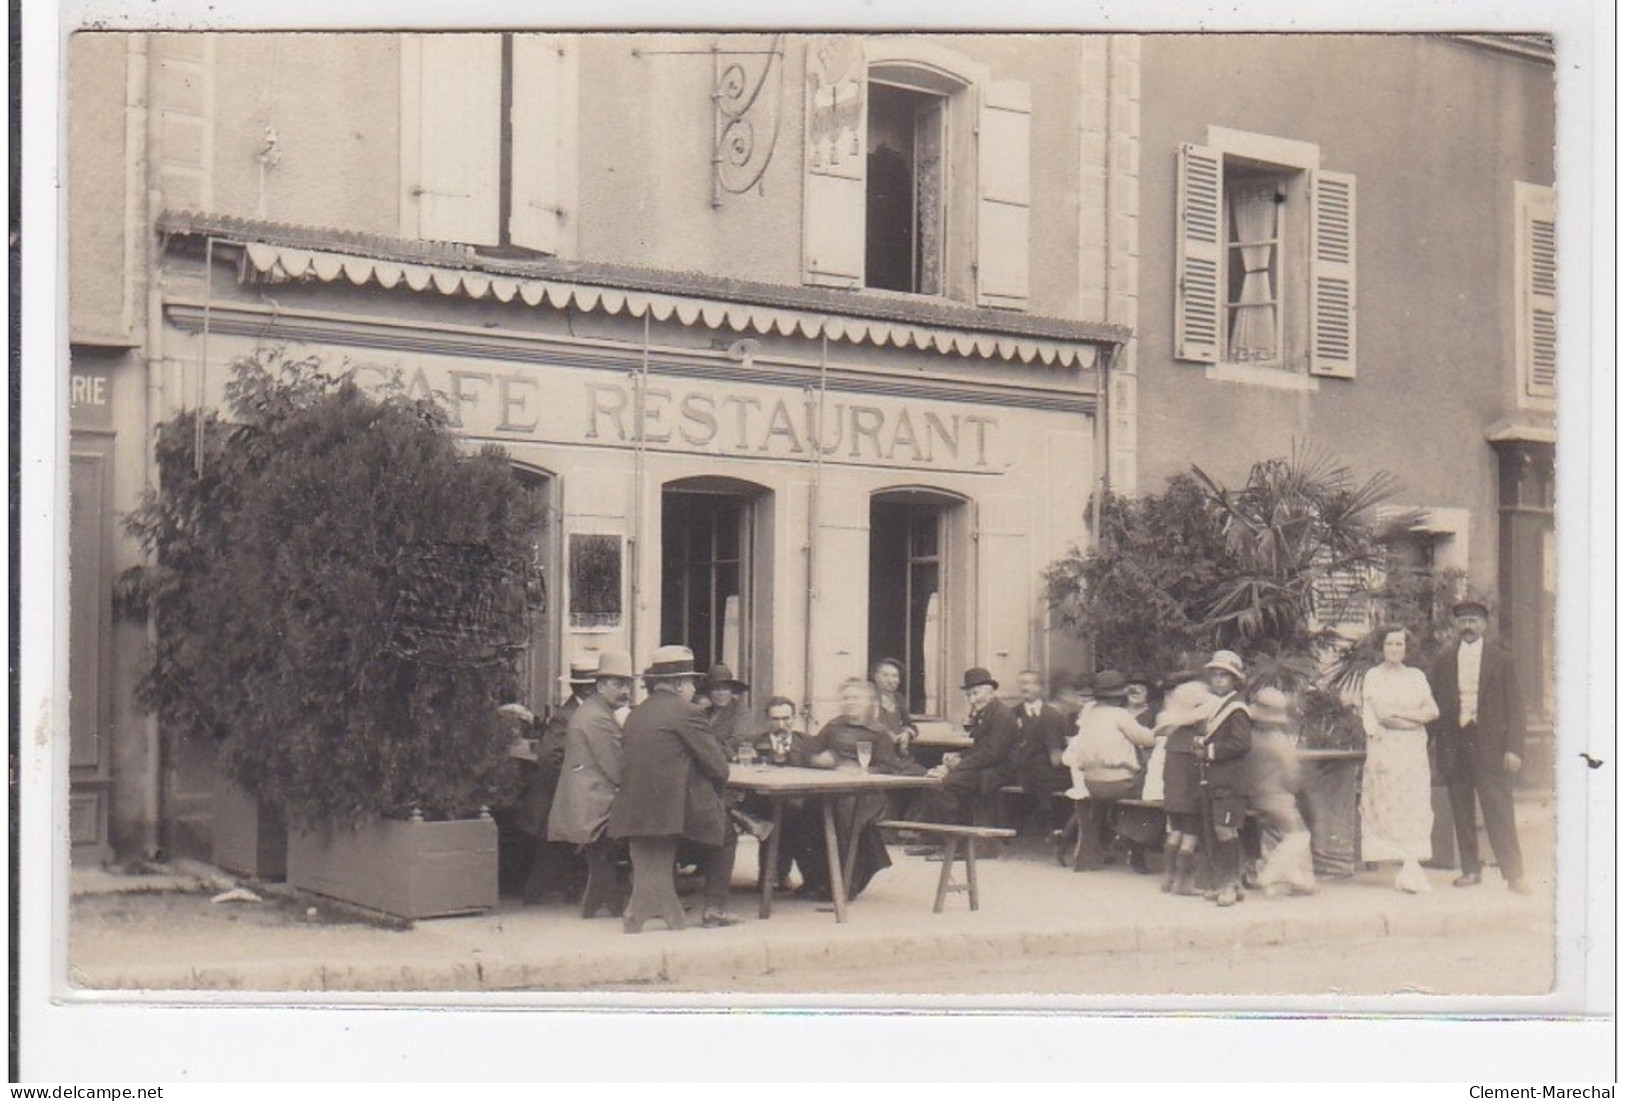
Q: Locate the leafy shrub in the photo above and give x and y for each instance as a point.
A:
(340, 596)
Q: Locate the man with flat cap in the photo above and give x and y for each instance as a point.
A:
(985, 767)
(1480, 733)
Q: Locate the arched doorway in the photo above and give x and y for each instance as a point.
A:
(714, 549)
(914, 604)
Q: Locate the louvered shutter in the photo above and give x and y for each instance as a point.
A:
(534, 221)
(835, 163)
(1004, 194)
(1539, 305)
(1333, 316)
(1197, 309)
(451, 112)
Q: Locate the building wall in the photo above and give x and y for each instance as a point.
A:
(1436, 132)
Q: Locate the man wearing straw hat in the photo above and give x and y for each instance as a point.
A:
(552, 868)
(591, 777)
(672, 774)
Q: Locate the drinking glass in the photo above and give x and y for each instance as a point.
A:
(866, 753)
(747, 756)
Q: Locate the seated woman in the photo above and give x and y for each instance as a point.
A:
(837, 745)
(892, 707)
(1107, 751)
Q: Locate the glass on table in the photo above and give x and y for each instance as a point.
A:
(747, 756)
(866, 754)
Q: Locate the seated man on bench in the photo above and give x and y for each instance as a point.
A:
(975, 778)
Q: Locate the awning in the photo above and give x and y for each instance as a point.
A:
(274, 263)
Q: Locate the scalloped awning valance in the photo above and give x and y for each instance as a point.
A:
(281, 263)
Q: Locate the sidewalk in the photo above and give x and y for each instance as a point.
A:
(164, 938)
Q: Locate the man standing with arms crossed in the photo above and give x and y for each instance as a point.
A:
(1480, 731)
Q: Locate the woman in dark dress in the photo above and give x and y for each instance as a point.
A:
(836, 746)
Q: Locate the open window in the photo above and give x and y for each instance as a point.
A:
(917, 173)
(1266, 264)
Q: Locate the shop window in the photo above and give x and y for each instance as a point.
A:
(906, 578)
(705, 552)
(483, 139)
(917, 173)
(595, 581)
(1266, 264)
(1536, 270)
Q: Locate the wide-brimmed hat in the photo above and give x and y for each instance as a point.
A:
(1189, 702)
(1140, 677)
(671, 662)
(584, 668)
(1229, 661)
(1084, 684)
(1470, 607)
(615, 663)
(975, 676)
(1111, 684)
(1270, 707)
(721, 676)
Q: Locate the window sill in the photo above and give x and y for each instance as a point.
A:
(1274, 378)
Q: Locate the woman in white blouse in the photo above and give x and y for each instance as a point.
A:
(1396, 802)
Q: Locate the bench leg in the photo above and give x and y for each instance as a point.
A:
(970, 870)
(950, 853)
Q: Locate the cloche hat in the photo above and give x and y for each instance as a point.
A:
(721, 676)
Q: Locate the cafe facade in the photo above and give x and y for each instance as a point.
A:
(797, 407)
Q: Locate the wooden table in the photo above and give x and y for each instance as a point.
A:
(778, 783)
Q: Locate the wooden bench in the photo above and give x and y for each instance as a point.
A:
(955, 840)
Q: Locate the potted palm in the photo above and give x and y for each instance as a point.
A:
(352, 626)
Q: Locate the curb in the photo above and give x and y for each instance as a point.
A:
(693, 961)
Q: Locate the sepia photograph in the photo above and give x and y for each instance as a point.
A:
(616, 517)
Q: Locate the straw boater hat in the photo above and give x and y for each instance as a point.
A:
(584, 669)
(721, 676)
(1470, 607)
(1269, 707)
(1111, 685)
(1230, 662)
(977, 676)
(1189, 702)
(615, 663)
(671, 663)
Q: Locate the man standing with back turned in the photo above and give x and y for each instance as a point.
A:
(1480, 737)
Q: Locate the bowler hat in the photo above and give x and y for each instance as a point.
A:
(1229, 661)
(671, 662)
(721, 676)
(975, 676)
(1111, 685)
(1270, 707)
(1470, 607)
(584, 668)
(615, 663)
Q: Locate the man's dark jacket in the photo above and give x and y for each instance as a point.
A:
(1500, 726)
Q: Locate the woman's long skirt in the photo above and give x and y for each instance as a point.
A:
(1396, 797)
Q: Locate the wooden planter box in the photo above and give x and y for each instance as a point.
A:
(411, 869)
(250, 838)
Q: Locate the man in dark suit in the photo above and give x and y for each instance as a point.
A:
(986, 766)
(1480, 733)
(1041, 739)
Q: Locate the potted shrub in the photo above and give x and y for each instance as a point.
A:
(351, 625)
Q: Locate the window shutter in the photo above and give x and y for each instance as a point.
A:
(451, 123)
(1538, 279)
(835, 202)
(1004, 195)
(536, 120)
(1197, 308)
(1333, 317)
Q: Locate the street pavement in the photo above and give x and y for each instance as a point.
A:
(161, 932)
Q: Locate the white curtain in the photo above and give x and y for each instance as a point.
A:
(1253, 221)
(730, 634)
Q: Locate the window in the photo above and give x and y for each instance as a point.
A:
(484, 133)
(1536, 324)
(917, 172)
(905, 597)
(705, 552)
(1265, 271)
